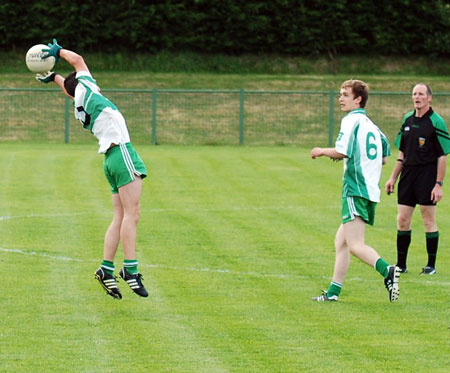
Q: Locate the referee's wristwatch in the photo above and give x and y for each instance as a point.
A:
(441, 183)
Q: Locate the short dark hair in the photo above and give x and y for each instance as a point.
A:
(70, 83)
(359, 89)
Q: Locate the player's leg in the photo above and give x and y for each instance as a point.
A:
(341, 264)
(112, 235)
(105, 274)
(432, 237)
(354, 235)
(130, 195)
(342, 259)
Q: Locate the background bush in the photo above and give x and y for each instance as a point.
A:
(388, 27)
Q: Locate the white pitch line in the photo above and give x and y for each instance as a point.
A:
(43, 255)
(156, 266)
(235, 208)
(217, 270)
(30, 216)
(167, 210)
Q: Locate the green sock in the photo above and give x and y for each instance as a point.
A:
(108, 266)
(334, 289)
(382, 267)
(131, 266)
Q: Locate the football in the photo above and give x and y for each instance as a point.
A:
(35, 62)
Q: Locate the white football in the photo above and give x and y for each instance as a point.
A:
(35, 62)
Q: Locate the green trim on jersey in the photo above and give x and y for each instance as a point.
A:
(439, 125)
(364, 146)
(441, 132)
(354, 166)
(398, 139)
(94, 103)
(385, 145)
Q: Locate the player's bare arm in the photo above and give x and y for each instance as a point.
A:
(74, 59)
(59, 81)
(326, 152)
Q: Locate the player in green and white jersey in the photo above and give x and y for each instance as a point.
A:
(123, 167)
(364, 148)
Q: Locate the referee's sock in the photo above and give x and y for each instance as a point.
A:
(432, 239)
(403, 242)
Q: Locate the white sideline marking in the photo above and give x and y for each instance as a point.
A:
(217, 270)
(43, 255)
(164, 210)
(10, 217)
(157, 266)
(231, 208)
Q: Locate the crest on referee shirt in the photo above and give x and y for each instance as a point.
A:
(421, 142)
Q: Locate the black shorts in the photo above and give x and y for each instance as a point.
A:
(416, 184)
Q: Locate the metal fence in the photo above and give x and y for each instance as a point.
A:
(203, 117)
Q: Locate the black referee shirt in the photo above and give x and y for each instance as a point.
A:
(419, 139)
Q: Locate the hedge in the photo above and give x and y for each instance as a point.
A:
(293, 27)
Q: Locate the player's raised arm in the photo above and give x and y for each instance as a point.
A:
(74, 59)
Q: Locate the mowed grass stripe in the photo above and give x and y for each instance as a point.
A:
(211, 216)
(213, 243)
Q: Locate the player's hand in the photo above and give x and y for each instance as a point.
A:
(316, 152)
(52, 50)
(48, 77)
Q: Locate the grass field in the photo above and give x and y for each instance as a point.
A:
(233, 242)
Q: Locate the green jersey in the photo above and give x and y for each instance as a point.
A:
(98, 114)
(364, 146)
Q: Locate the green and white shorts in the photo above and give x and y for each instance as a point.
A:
(122, 164)
(358, 206)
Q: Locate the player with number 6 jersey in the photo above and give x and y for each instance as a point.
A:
(364, 149)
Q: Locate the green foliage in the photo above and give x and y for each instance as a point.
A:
(232, 26)
(232, 242)
(221, 63)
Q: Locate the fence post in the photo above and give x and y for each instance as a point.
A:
(241, 117)
(66, 120)
(154, 98)
(331, 120)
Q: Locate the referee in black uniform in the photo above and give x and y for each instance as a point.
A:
(423, 142)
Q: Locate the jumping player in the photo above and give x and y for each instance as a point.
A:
(123, 167)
